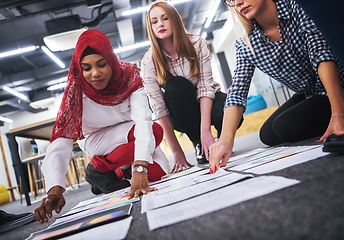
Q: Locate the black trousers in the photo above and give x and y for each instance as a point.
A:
(297, 119)
(181, 101)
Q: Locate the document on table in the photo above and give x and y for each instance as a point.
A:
(215, 200)
(208, 183)
(289, 161)
(111, 231)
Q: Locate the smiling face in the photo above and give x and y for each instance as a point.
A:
(161, 24)
(250, 8)
(96, 71)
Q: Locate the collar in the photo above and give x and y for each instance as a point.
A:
(167, 55)
(282, 7)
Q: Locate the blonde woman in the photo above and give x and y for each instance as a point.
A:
(178, 78)
(282, 41)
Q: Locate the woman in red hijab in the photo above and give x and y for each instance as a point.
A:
(105, 109)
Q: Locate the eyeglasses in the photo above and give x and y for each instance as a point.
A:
(230, 3)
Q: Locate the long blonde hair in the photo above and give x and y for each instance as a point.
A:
(247, 24)
(181, 42)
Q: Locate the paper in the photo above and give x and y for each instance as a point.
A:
(259, 154)
(159, 199)
(288, 161)
(73, 226)
(279, 153)
(183, 173)
(111, 231)
(100, 198)
(248, 154)
(215, 200)
(98, 204)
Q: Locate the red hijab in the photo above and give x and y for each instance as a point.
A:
(125, 80)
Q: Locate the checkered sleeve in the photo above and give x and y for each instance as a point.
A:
(238, 91)
(153, 90)
(205, 84)
(318, 49)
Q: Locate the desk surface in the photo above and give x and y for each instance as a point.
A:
(34, 158)
(39, 130)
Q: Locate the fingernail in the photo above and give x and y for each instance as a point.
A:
(318, 140)
(211, 171)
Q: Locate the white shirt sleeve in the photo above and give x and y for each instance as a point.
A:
(55, 164)
(142, 116)
(154, 92)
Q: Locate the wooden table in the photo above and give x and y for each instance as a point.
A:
(40, 130)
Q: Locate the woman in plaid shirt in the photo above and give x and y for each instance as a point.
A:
(283, 42)
(177, 76)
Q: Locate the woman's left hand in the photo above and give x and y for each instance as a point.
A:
(139, 185)
(207, 140)
(336, 126)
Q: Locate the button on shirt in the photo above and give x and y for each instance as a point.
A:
(293, 60)
(206, 86)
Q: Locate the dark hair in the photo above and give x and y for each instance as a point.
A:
(88, 51)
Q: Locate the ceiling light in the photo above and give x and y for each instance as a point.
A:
(53, 57)
(131, 47)
(212, 13)
(15, 93)
(6, 120)
(145, 9)
(57, 86)
(18, 51)
(63, 41)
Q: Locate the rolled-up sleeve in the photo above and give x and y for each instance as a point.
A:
(238, 91)
(205, 86)
(55, 163)
(142, 116)
(318, 49)
(152, 87)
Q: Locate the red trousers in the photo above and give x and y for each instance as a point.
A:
(124, 155)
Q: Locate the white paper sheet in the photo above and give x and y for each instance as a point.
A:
(279, 154)
(288, 161)
(172, 176)
(216, 200)
(160, 199)
(111, 231)
(251, 157)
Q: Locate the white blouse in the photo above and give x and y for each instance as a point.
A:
(105, 128)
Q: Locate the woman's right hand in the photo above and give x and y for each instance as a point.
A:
(54, 201)
(139, 185)
(219, 154)
(180, 162)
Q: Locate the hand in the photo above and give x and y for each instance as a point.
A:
(180, 162)
(219, 154)
(139, 185)
(336, 126)
(54, 201)
(207, 140)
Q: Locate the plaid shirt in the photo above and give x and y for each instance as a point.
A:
(206, 87)
(292, 61)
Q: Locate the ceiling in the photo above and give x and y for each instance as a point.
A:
(22, 24)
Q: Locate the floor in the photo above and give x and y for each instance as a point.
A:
(311, 210)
